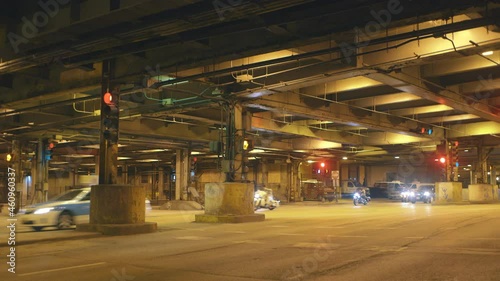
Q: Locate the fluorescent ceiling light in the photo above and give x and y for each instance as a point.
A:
(195, 153)
(257, 151)
(78, 155)
(344, 158)
(152, 150)
(148, 160)
(96, 146)
(397, 157)
(123, 158)
(487, 53)
(58, 162)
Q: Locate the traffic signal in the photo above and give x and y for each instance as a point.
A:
(423, 130)
(47, 153)
(247, 144)
(454, 153)
(110, 117)
(194, 164)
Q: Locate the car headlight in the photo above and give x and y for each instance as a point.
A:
(426, 193)
(43, 211)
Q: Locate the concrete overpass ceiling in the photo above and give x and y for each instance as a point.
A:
(318, 78)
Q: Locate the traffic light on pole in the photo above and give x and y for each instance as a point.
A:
(423, 130)
(110, 117)
(48, 151)
(454, 153)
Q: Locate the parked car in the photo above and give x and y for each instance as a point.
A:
(63, 211)
(391, 190)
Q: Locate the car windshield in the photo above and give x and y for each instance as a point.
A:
(67, 196)
(426, 188)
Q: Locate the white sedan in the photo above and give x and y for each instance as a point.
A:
(63, 211)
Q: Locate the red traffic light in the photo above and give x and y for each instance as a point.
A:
(108, 98)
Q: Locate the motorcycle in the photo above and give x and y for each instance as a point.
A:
(358, 199)
(264, 199)
(426, 197)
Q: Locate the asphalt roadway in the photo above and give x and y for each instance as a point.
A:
(384, 241)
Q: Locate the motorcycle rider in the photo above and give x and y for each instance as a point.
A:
(362, 192)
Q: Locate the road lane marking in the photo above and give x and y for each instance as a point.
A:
(61, 269)
(192, 237)
(316, 245)
(249, 242)
(330, 227)
(351, 236)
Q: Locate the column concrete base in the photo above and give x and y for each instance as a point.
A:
(119, 229)
(117, 210)
(448, 193)
(229, 202)
(483, 194)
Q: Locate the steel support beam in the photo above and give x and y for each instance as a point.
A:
(411, 82)
(321, 109)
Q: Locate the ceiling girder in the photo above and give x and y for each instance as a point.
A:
(315, 108)
(414, 84)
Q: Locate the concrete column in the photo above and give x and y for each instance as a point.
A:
(181, 173)
(448, 192)
(483, 193)
(41, 175)
(161, 183)
(229, 202)
(493, 175)
(482, 165)
(264, 171)
(117, 210)
(17, 166)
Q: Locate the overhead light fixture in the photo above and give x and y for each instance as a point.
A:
(487, 53)
(257, 151)
(123, 158)
(344, 158)
(397, 157)
(310, 161)
(148, 160)
(152, 150)
(195, 153)
(78, 155)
